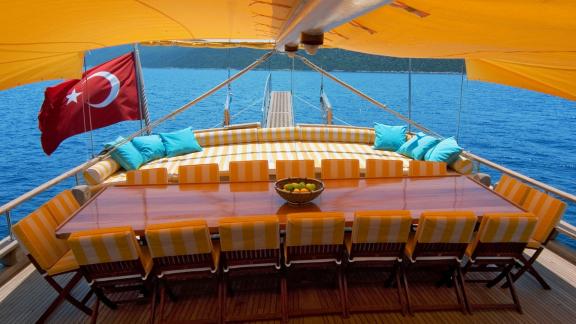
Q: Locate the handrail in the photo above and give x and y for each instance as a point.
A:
(266, 99)
(327, 106)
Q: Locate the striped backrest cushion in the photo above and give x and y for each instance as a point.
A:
(180, 238)
(378, 168)
(318, 228)
(295, 169)
(381, 226)
(512, 189)
(224, 137)
(100, 171)
(155, 176)
(62, 206)
(340, 169)
(243, 171)
(462, 165)
(426, 169)
(36, 234)
(199, 173)
(446, 227)
(506, 227)
(249, 233)
(548, 209)
(337, 134)
(278, 134)
(104, 246)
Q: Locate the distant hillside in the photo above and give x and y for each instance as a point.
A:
(330, 59)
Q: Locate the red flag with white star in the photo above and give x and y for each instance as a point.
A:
(106, 94)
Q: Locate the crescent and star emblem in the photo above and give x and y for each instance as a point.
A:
(114, 90)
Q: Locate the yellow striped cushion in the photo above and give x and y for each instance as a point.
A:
(340, 169)
(506, 227)
(381, 226)
(147, 177)
(224, 137)
(426, 169)
(462, 165)
(180, 238)
(446, 227)
(549, 211)
(512, 189)
(36, 234)
(321, 228)
(295, 168)
(201, 173)
(376, 168)
(277, 134)
(249, 233)
(105, 245)
(337, 134)
(62, 206)
(100, 171)
(242, 171)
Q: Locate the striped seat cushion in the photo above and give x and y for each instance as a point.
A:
(243, 171)
(381, 226)
(295, 168)
(181, 238)
(225, 137)
(549, 211)
(321, 228)
(512, 189)
(378, 168)
(426, 169)
(62, 206)
(249, 233)
(156, 176)
(446, 227)
(278, 134)
(100, 171)
(199, 173)
(340, 169)
(337, 134)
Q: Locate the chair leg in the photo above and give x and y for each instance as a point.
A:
(101, 296)
(224, 292)
(284, 298)
(219, 288)
(64, 294)
(459, 297)
(344, 294)
(95, 311)
(406, 290)
(400, 275)
(460, 276)
(341, 291)
(162, 302)
(528, 266)
(513, 290)
(153, 306)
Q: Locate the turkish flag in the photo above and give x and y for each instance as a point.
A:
(106, 94)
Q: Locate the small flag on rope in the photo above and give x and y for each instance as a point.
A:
(106, 94)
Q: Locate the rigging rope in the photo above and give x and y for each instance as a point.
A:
(461, 99)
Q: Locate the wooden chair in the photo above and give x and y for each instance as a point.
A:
(295, 169)
(512, 189)
(378, 241)
(62, 206)
(51, 257)
(158, 176)
(500, 242)
(314, 241)
(549, 211)
(249, 171)
(426, 169)
(378, 168)
(199, 173)
(112, 261)
(250, 246)
(340, 169)
(439, 244)
(181, 251)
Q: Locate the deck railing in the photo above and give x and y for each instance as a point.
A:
(266, 99)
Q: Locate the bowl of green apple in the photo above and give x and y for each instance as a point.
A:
(299, 190)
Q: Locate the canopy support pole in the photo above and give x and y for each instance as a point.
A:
(370, 99)
(142, 102)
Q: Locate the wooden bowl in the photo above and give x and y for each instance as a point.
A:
(298, 198)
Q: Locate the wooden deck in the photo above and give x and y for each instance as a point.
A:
(280, 110)
(25, 297)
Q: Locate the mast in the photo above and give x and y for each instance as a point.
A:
(142, 102)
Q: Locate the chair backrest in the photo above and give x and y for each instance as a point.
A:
(380, 233)
(109, 252)
(247, 171)
(36, 234)
(157, 176)
(426, 169)
(512, 189)
(199, 173)
(503, 234)
(340, 169)
(549, 211)
(180, 245)
(443, 233)
(249, 240)
(62, 206)
(378, 168)
(295, 169)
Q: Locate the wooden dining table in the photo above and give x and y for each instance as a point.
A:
(140, 206)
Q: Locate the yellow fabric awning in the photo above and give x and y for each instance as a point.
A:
(523, 43)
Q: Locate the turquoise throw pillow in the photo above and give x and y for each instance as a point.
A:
(417, 146)
(126, 155)
(180, 142)
(389, 138)
(151, 147)
(445, 151)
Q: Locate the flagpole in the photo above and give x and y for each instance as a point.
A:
(142, 103)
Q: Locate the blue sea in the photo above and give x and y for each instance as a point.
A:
(528, 132)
